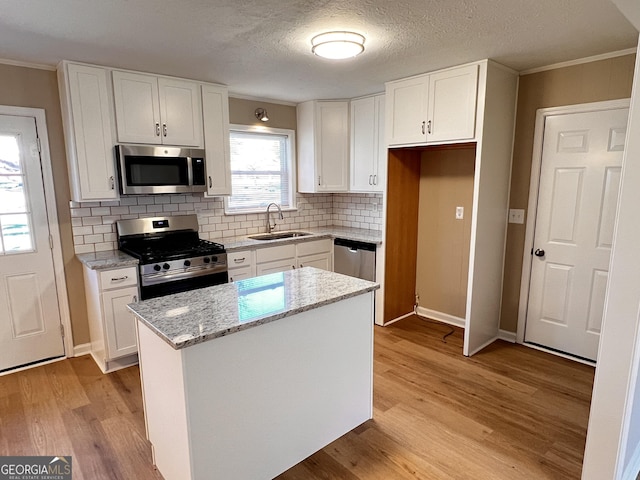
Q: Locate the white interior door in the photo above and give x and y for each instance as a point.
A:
(29, 312)
(578, 193)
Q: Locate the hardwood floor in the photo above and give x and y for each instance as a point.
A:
(509, 412)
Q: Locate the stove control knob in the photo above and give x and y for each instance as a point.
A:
(214, 259)
(187, 263)
(206, 259)
(166, 266)
(157, 268)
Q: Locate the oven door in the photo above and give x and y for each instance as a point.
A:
(167, 288)
(145, 170)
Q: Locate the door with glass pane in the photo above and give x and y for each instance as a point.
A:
(29, 314)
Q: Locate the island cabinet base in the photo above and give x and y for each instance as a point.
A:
(254, 403)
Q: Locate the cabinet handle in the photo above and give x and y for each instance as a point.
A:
(231, 279)
(112, 182)
(370, 179)
(157, 129)
(239, 260)
(210, 182)
(319, 180)
(302, 265)
(119, 279)
(164, 129)
(423, 127)
(428, 127)
(293, 267)
(375, 179)
(135, 299)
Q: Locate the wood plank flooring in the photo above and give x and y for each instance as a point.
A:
(509, 412)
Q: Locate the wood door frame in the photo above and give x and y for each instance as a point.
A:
(534, 192)
(52, 217)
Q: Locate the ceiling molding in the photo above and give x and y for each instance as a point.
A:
(579, 61)
(16, 63)
(260, 99)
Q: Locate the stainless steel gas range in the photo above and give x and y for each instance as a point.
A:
(172, 256)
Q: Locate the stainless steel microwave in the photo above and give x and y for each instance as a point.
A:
(153, 169)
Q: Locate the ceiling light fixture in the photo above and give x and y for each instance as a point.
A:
(337, 45)
(261, 114)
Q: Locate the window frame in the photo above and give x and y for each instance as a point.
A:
(291, 149)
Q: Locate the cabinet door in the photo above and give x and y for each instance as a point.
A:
(119, 322)
(236, 274)
(180, 112)
(363, 144)
(380, 164)
(332, 146)
(406, 106)
(276, 266)
(137, 108)
(89, 136)
(452, 104)
(320, 260)
(215, 109)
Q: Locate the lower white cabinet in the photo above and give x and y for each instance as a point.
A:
(111, 325)
(275, 259)
(316, 254)
(241, 265)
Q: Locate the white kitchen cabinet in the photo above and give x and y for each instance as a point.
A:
(323, 146)
(241, 265)
(275, 259)
(157, 110)
(111, 325)
(316, 254)
(215, 110)
(368, 148)
(434, 108)
(88, 121)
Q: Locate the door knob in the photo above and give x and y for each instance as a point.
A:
(539, 253)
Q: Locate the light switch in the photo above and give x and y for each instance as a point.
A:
(459, 213)
(516, 215)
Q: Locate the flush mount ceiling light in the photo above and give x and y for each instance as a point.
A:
(261, 114)
(337, 45)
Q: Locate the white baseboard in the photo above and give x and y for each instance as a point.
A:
(507, 336)
(633, 467)
(385, 324)
(441, 317)
(82, 349)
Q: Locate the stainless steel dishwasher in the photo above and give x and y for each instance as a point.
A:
(357, 259)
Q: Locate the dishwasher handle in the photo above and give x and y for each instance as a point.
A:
(353, 245)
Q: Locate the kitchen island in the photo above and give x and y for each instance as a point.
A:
(244, 380)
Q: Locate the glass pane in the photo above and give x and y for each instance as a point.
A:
(16, 233)
(9, 155)
(12, 196)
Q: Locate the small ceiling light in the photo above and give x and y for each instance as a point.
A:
(337, 45)
(261, 114)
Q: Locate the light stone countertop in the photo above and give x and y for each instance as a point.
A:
(107, 260)
(193, 317)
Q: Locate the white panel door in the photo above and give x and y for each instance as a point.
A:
(363, 144)
(119, 322)
(406, 107)
(29, 314)
(137, 108)
(332, 147)
(579, 183)
(180, 111)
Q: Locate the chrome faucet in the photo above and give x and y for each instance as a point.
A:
(269, 226)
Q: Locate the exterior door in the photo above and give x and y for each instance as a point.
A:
(578, 193)
(29, 313)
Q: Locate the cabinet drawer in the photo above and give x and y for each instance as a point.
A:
(317, 246)
(236, 274)
(239, 259)
(276, 253)
(121, 277)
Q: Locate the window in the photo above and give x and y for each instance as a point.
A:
(262, 169)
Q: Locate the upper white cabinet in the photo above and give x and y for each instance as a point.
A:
(157, 110)
(323, 146)
(439, 107)
(215, 109)
(368, 147)
(87, 118)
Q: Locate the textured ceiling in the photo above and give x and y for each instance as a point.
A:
(262, 47)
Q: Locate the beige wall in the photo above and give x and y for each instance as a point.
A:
(591, 82)
(242, 112)
(446, 182)
(29, 87)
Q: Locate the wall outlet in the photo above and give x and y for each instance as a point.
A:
(459, 213)
(516, 215)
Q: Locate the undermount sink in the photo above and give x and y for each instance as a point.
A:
(278, 235)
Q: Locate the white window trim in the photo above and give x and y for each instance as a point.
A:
(291, 145)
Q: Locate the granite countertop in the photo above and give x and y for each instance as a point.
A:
(107, 259)
(232, 244)
(192, 317)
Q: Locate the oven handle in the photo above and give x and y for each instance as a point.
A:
(158, 278)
